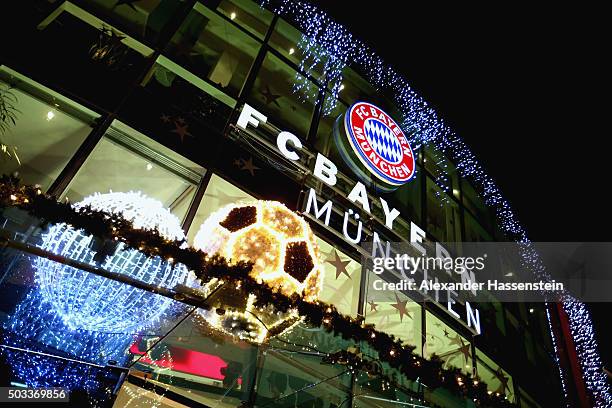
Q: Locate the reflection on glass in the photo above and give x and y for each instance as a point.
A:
(474, 231)
(274, 96)
(189, 364)
(289, 379)
(451, 347)
(474, 203)
(125, 160)
(248, 14)
(214, 49)
(47, 131)
(497, 379)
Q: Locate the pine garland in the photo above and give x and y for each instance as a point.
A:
(112, 227)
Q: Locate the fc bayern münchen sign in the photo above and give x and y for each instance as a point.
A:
(379, 145)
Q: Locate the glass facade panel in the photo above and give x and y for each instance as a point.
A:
(273, 95)
(446, 343)
(214, 49)
(285, 39)
(394, 314)
(443, 217)
(497, 379)
(48, 130)
(248, 14)
(141, 18)
(125, 160)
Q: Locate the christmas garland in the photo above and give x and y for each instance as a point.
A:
(114, 228)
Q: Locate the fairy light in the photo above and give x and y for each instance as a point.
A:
(87, 301)
(264, 233)
(328, 47)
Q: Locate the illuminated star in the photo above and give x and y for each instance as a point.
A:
(373, 306)
(503, 380)
(181, 130)
(270, 97)
(401, 308)
(249, 166)
(339, 264)
(165, 118)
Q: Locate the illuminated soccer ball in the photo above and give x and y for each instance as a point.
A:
(90, 302)
(284, 253)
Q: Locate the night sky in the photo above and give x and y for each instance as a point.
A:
(524, 87)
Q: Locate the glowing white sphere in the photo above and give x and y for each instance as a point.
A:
(284, 253)
(90, 302)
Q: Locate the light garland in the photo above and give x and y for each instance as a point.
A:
(420, 122)
(284, 254)
(87, 301)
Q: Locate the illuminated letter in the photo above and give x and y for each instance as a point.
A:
(250, 115)
(359, 194)
(312, 202)
(390, 216)
(281, 143)
(325, 170)
(473, 316)
(416, 237)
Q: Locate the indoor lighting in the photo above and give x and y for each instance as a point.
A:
(291, 51)
(341, 87)
(50, 115)
(149, 166)
(232, 15)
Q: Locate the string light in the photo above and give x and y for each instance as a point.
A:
(87, 301)
(284, 253)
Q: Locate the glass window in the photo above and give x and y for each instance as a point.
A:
(474, 203)
(125, 160)
(440, 167)
(218, 193)
(142, 18)
(286, 39)
(341, 279)
(497, 379)
(214, 49)
(446, 343)
(248, 14)
(474, 231)
(273, 94)
(47, 129)
(394, 313)
(443, 219)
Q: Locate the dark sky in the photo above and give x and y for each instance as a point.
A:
(524, 87)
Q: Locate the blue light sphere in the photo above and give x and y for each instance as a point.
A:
(90, 302)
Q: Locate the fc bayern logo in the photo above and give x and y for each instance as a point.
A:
(379, 143)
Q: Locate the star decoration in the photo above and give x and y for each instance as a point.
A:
(165, 118)
(339, 264)
(238, 162)
(445, 333)
(466, 351)
(401, 308)
(457, 340)
(373, 306)
(270, 97)
(503, 380)
(249, 166)
(180, 120)
(181, 130)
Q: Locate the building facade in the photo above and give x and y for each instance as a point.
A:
(145, 96)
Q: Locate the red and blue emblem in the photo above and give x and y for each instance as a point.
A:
(379, 143)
